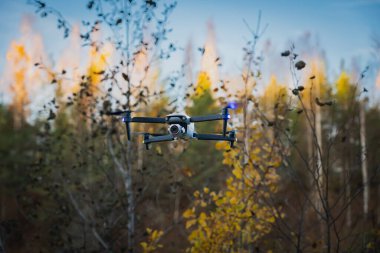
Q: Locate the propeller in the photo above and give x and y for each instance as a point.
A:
(126, 119)
(118, 112)
(121, 112)
(146, 133)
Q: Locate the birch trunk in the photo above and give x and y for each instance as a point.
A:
(318, 150)
(130, 200)
(126, 172)
(364, 160)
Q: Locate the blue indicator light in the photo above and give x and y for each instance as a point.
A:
(233, 105)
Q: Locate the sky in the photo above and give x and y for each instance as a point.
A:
(342, 28)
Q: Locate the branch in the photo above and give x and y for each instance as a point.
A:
(86, 220)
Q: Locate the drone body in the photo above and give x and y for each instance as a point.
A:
(180, 126)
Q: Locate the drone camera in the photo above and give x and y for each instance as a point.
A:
(176, 129)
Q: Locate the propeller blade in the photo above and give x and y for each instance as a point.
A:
(117, 112)
(146, 133)
(207, 118)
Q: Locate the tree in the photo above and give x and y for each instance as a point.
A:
(80, 132)
(235, 218)
(17, 149)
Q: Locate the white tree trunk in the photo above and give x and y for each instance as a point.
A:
(364, 160)
(126, 172)
(318, 149)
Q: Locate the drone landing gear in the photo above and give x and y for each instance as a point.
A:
(146, 142)
(232, 135)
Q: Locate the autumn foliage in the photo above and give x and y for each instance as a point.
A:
(236, 217)
(302, 176)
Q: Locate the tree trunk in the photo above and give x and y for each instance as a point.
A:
(318, 148)
(347, 194)
(364, 160)
(126, 172)
(130, 201)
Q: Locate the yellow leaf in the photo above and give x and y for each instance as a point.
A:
(237, 226)
(206, 190)
(227, 160)
(271, 219)
(158, 150)
(202, 219)
(214, 196)
(144, 245)
(190, 223)
(237, 172)
(220, 145)
(154, 235)
(233, 201)
(256, 151)
(187, 172)
(188, 213)
(370, 245)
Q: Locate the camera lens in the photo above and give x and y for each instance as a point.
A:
(174, 129)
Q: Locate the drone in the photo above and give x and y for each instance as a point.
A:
(180, 126)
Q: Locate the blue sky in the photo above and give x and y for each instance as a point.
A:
(342, 27)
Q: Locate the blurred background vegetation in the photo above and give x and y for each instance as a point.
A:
(303, 177)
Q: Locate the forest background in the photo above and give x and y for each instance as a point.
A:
(303, 176)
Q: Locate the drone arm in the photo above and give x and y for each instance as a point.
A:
(207, 118)
(213, 137)
(167, 137)
(217, 137)
(147, 120)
